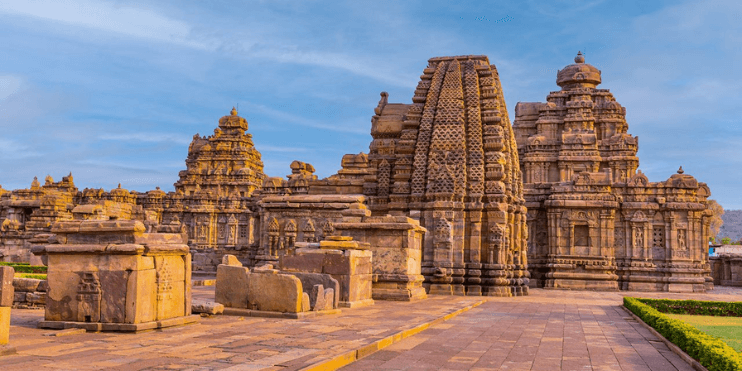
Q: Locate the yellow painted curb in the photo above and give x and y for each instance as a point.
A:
(354, 355)
(334, 363)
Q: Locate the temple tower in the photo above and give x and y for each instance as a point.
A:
(449, 159)
(214, 196)
(595, 221)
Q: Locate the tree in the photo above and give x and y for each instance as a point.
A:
(726, 241)
(716, 221)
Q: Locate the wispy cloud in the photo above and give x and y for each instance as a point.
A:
(268, 148)
(107, 16)
(9, 84)
(148, 137)
(303, 121)
(11, 149)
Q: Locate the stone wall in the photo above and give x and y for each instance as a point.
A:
(29, 293)
(726, 270)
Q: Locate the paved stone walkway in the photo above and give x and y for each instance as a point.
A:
(548, 330)
(221, 342)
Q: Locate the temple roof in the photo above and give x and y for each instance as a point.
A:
(579, 74)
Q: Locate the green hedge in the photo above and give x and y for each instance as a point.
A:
(710, 351)
(695, 307)
(25, 267)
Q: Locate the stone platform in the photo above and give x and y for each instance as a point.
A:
(548, 330)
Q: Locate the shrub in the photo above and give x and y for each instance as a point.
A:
(710, 351)
(25, 267)
(695, 307)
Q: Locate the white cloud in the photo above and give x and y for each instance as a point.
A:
(106, 16)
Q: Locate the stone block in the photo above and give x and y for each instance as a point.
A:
(354, 288)
(207, 307)
(308, 280)
(4, 325)
(19, 297)
(305, 306)
(309, 261)
(317, 298)
(330, 297)
(232, 286)
(26, 284)
(270, 291)
(7, 287)
(43, 286)
(231, 260)
(38, 298)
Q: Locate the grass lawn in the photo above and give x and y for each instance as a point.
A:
(728, 329)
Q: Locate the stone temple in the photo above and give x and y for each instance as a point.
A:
(450, 198)
(596, 221)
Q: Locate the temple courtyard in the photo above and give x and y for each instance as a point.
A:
(547, 330)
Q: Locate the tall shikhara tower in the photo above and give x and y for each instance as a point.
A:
(450, 160)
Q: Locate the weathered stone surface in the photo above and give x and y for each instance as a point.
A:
(726, 269)
(36, 298)
(232, 286)
(317, 298)
(207, 307)
(396, 243)
(6, 286)
(130, 285)
(4, 325)
(449, 160)
(596, 222)
(309, 280)
(350, 268)
(26, 284)
(329, 298)
(305, 305)
(231, 260)
(271, 291)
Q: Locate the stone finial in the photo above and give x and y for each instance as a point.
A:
(119, 187)
(35, 183)
(234, 111)
(579, 58)
(680, 171)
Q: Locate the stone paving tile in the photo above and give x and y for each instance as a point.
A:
(547, 330)
(223, 342)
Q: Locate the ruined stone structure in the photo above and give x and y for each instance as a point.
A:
(726, 269)
(449, 159)
(268, 292)
(595, 221)
(440, 198)
(109, 275)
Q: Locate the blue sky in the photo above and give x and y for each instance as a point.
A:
(113, 91)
